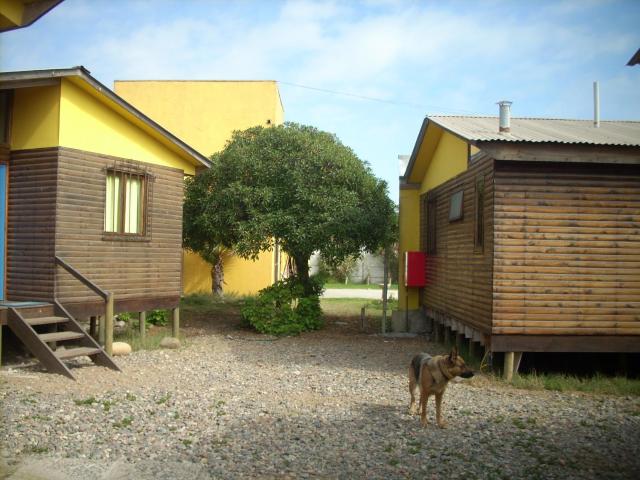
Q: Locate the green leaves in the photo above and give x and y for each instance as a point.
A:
(293, 183)
(284, 309)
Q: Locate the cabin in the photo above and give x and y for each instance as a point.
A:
(205, 113)
(531, 233)
(91, 195)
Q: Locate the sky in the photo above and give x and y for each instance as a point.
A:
(368, 71)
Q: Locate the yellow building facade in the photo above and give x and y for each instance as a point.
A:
(205, 114)
(438, 156)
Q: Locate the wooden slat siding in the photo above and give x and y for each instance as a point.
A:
(459, 284)
(31, 224)
(567, 249)
(130, 269)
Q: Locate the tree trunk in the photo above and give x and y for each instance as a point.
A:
(217, 277)
(302, 272)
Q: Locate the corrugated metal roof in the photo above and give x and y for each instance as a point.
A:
(542, 130)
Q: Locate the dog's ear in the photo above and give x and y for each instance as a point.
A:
(453, 356)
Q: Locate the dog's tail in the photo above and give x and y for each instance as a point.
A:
(417, 363)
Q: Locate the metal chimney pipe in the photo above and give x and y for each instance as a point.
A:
(505, 116)
(596, 104)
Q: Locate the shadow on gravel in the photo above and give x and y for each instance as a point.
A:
(380, 441)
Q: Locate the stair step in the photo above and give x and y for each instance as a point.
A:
(46, 320)
(60, 336)
(76, 352)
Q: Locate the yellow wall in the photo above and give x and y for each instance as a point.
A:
(242, 277)
(409, 241)
(36, 114)
(87, 123)
(204, 114)
(449, 159)
(446, 159)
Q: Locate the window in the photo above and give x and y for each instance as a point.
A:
(432, 215)
(126, 202)
(455, 207)
(478, 230)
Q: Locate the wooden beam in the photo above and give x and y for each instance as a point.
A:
(562, 153)
(565, 343)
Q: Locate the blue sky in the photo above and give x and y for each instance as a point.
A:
(414, 58)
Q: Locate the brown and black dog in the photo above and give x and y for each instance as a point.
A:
(431, 375)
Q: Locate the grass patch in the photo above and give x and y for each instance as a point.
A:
(153, 337)
(208, 303)
(358, 286)
(350, 307)
(163, 399)
(125, 422)
(107, 404)
(86, 401)
(620, 386)
(38, 449)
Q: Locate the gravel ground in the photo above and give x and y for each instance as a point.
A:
(329, 404)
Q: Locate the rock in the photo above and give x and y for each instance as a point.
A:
(170, 342)
(120, 348)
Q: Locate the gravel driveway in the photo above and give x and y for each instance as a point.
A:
(329, 404)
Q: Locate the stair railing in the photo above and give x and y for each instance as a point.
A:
(107, 325)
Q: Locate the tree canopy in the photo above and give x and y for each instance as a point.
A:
(292, 184)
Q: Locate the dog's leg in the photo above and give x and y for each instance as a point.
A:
(424, 397)
(441, 423)
(413, 388)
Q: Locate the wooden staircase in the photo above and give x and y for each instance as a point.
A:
(28, 323)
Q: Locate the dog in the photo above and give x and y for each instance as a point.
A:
(431, 375)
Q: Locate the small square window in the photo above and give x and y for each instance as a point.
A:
(455, 207)
(126, 203)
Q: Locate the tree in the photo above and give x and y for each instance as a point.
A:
(198, 237)
(292, 184)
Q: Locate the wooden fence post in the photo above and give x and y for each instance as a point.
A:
(108, 325)
(175, 324)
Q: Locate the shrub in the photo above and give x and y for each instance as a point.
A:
(282, 309)
(157, 318)
(124, 316)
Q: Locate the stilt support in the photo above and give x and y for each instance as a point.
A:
(175, 323)
(508, 366)
(142, 321)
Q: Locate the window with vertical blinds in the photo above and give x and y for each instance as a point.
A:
(126, 202)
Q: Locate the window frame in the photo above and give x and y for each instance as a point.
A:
(127, 172)
(459, 213)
